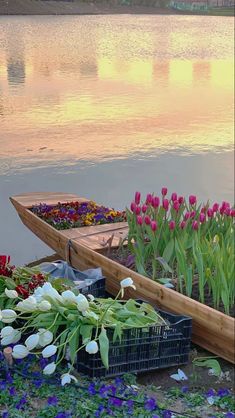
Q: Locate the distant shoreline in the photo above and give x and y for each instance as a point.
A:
(77, 7)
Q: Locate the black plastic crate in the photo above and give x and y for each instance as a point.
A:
(96, 289)
(142, 349)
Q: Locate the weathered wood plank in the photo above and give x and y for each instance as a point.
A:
(30, 199)
(212, 329)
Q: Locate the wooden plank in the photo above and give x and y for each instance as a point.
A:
(212, 329)
(29, 199)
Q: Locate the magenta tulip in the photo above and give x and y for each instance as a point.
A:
(202, 217)
(187, 216)
(165, 204)
(227, 211)
(192, 199)
(181, 200)
(195, 225)
(203, 210)
(174, 197)
(176, 205)
(192, 214)
(144, 208)
(148, 199)
(137, 197)
(147, 220)
(164, 191)
(155, 202)
(172, 225)
(215, 207)
(225, 205)
(182, 224)
(139, 220)
(210, 213)
(138, 210)
(154, 226)
(133, 207)
(232, 213)
(221, 210)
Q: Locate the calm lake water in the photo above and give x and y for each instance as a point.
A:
(105, 105)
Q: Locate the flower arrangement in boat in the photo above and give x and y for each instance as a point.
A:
(180, 242)
(61, 325)
(77, 214)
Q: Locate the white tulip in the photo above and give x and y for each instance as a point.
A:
(12, 294)
(92, 347)
(13, 338)
(6, 331)
(90, 314)
(49, 351)
(82, 303)
(49, 290)
(38, 294)
(45, 337)
(68, 296)
(44, 306)
(20, 351)
(50, 368)
(7, 316)
(27, 305)
(32, 341)
(67, 378)
(91, 297)
(128, 282)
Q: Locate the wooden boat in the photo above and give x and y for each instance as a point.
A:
(212, 329)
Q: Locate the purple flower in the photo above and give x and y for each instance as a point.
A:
(112, 388)
(3, 385)
(115, 402)
(150, 404)
(52, 400)
(118, 381)
(63, 415)
(130, 403)
(223, 392)
(21, 403)
(167, 414)
(12, 391)
(9, 378)
(210, 392)
(5, 414)
(37, 383)
(184, 389)
(91, 389)
(229, 415)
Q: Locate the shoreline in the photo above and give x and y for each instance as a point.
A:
(80, 8)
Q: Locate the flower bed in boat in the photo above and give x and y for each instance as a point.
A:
(77, 214)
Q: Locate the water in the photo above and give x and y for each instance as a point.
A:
(105, 105)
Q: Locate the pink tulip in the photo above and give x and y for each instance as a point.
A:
(176, 205)
(164, 191)
(210, 213)
(172, 225)
(139, 220)
(155, 202)
(203, 210)
(232, 213)
(144, 208)
(138, 210)
(227, 211)
(192, 214)
(137, 197)
(133, 207)
(225, 205)
(165, 204)
(181, 200)
(215, 207)
(221, 210)
(192, 199)
(202, 217)
(195, 225)
(187, 216)
(174, 197)
(147, 220)
(182, 224)
(154, 226)
(148, 199)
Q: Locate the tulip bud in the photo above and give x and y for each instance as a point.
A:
(221, 210)
(128, 282)
(187, 216)
(181, 200)
(148, 199)
(164, 191)
(49, 351)
(210, 213)
(174, 197)
(144, 208)
(192, 199)
(182, 224)
(92, 347)
(176, 205)
(202, 217)
(45, 337)
(138, 210)
(44, 306)
(154, 226)
(32, 341)
(7, 316)
(227, 211)
(137, 198)
(82, 302)
(165, 204)
(155, 202)
(215, 207)
(192, 214)
(67, 378)
(12, 294)
(232, 213)
(147, 220)
(203, 210)
(28, 305)
(225, 205)
(172, 225)
(139, 220)
(19, 351)
(133, 207)
(195, 225)
(50, 368)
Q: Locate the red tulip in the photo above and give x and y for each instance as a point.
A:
(225, 205)
(147, 220)
(139, 220)
(210, 213)
(181, 200)
(195, 225)
(138, 210)
(174, 197)
(182, 224)
(164, 191)
(155, 202)
(172, 225)
(148, 199)
(154, 226)
(144, 208)
(176, 205)
(227, 211)
(232, 213)
(165, 204)
(203, 210)
(137, 198)
(202, 217)
(215, 207)
(192, 199)
(221, 210)
(133, 207)
(187, 216)
(192, 214)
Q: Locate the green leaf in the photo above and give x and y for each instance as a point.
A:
(104, 347)
(117, 332)
(73, 343)
(86, 332)
(164, 264)
(211, 363)
(167, 253)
